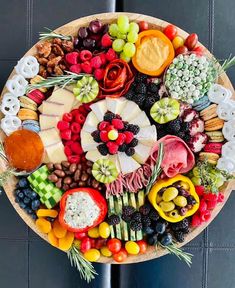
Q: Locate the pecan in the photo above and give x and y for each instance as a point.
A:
(57, 41)
(44, 48)
(57, 50)
(41, 60)
(62, 66)
(67, 46)
(51, 56)
(49, 70)
(58, 70)
(53, 62)
(42, 71)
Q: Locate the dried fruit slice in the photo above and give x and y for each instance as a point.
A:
(86, 89)
(165, 110)
(104, 171)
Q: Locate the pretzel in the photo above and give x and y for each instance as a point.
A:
(28, 67)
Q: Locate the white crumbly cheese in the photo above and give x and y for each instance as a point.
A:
(80, 211)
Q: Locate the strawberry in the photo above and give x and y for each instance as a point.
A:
(121, 139)
(196, 221)
(106, 41)
(103, 125)
(66, 134)
(113, 147)
(118, 124)
(75, 68)
(104, 136)
(63, 125)
(72, 58)
(129, 137)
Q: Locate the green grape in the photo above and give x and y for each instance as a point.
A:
(196, 172)
(121, 35)
(196, 181)
(129, 49)
(124, 57)
(118, 45)
(134, 27)
(132, 37)
(113, 30)
(123, 23)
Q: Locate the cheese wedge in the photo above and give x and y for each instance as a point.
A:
(48, 121)
(55, 153)
(62, 96)
(52, 108)
(49, 136)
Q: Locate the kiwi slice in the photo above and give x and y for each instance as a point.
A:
(104, 171)
(86, 89)
(165, 110)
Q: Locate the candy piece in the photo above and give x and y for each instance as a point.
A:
(37, 96)
(27, 114)
(10, 124)
(226, 109)
(10, 104)
(229, 130)
(27, 66)
(226, 164)
(17, 85)
(218, 93)
(26, 102)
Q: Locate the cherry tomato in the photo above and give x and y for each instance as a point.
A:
(143, 25)
(132, 248)
(170, 31)
(177, 42)
(80, 235)
(198, 50)
(191, 41)
(94, 232)
(120, 256)
(181, 50)
(106, 252)
(92, 255)
(143, 246)
(100, 242)
(93, 241)
(85, 244)
(114, 245)
(104, 230)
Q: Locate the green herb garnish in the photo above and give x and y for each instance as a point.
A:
(50, 34)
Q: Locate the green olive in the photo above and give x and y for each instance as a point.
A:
(167, 206)
(180, 201)
(169, 194)
(174, 214)
(184, 185)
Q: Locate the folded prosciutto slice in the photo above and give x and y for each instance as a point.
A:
(178, 158)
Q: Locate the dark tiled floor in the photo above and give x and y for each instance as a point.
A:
(26, 261)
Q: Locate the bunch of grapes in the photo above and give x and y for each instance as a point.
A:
(126, 35)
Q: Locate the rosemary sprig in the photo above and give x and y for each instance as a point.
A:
(179, 253)
(157, 169)
(61, 81)
(85, 267)
(50, 34)
(228, 63)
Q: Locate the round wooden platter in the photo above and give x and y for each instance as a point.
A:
(71, 29)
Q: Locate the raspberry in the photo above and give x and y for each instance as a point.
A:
(111, 54)
(66, 134)
(210, 197)
(68, 117)
(200, 190)
(86, 67)
(85, 55)
(113, 147)
(220, 198)
(129, 137)
(211, 205)
(106, 41)
(75, 137)
(205, 216)
(79, 118)
(96, 62)
(81, 110)
(69, 143)
(74, 112)
(74, 159)
(196, 221)
(103, 125)
(103, 58)
(75, 68)
(67, 151)
(75, 127)
(63, 125)
(72, 58)
(99, 74)
(203, 206)
(121, 138)
(118, 124)
(76, 148)
(104, 136)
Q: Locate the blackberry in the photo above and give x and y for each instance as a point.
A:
(136, 216)
(103, 149)
(174, 126)
(126, 124)
(186, 137)
(122, 148)
(128, 210)
(130, 95)
(152, 87)
(145, 209)
(185, 230)
(135, 225)
(181, 134)
(135, 129)
(130, 151)
(149, 102)
(133, 143)
(146, 221)
(161, 133)
(126, 218)
(185, 126)
(139, 99)
(191, 200)
(141, 88)
(153, 215)
(96, 136)
(109, 116)
(141, 78)
(113, 219)
(179, 236)
(180, 225)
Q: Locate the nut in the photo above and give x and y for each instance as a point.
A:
(67, 180)
(58, 166)
(50, 166)
(58, 184)
(58, 70)
(53, 62)
(67, 46)
(57, 50)
(66, 164)
(77, 175)
(57, 41)
(73, 167)
(41, 60)
(44, 48)
(53, 178)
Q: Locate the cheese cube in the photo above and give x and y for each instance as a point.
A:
(49, 136)
(55, 153)
(48, 121)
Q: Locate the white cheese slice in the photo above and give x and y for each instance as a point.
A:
(141, 153)
(55, 153)
(87, 141)
(116, 105)
(99, 108)
(127, 164)
(147, 135)
(49, 136)
(130, 111)
(94, 155)
(52, 108)
(141, 120)
(91, 123)
(62, 96)
(48, 121)
(115, 160)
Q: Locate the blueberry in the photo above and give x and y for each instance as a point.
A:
(17, 199)
(148, 230)
(50, 219)
(160, 227)
(26, 200)
(28, 210)
(152, 240)
(27, 192)
(23, 183)
(21, 195)
(22, 205)
(35, 204)
(33, 195)
(166, 239)
(34, 216)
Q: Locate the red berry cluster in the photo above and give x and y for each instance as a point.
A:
(87, 62)
(208, 202)
(70, 127)
(124, 142)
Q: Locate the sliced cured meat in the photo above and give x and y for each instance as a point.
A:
(178, 158)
